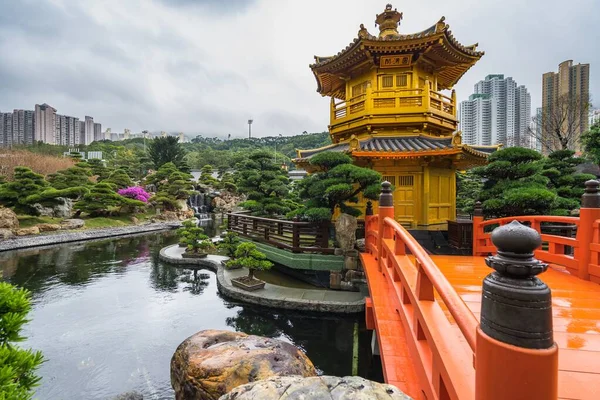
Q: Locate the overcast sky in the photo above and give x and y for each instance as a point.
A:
(207, 66)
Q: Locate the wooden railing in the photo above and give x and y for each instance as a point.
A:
(443, 354)
(594, 265)
(556, 249)
(393, 99)
(298, 237)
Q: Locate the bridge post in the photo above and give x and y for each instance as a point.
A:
(477, 219)
(516, 356)
(588, 214)
(386, 209)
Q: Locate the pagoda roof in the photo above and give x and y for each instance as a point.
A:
(401, 146)
(446, 55)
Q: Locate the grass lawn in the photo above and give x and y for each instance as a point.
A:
(26, 221)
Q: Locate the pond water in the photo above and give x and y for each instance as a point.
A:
(108, 316)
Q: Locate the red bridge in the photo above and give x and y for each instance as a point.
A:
(449, 327)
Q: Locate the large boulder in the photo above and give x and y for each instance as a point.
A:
(34, 230)
(211, 363)
(165, 216)
(48, 227)
(63, 209)
(6, 233)
(8, 219)
(73, 223)
(317, 387)
(345, 231)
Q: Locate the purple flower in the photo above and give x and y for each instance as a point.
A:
(136, 193)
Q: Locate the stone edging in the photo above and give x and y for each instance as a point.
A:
(226, 288)
(76, 236)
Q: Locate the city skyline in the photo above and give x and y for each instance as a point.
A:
(161, 70)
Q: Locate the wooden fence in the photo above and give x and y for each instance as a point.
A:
(298, 237)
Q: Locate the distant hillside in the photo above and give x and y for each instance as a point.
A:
(285, 145)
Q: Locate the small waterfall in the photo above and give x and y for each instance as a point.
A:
(197, 202)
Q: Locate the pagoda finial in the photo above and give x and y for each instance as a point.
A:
(388, 22)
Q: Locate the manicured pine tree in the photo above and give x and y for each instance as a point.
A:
(265, 184)
(337, 183)
(102, 199)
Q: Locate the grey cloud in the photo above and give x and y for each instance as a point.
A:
(219, 6)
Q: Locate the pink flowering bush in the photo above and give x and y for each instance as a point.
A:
(136, 193)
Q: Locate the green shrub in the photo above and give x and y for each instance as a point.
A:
(17, 366)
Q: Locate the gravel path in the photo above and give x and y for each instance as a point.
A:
(80, 235)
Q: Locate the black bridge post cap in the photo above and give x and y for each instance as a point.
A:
(591, 197)
(369, 210)
(386, 199)
(478, 209)
(516, 306)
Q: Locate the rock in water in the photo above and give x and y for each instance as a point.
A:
(211, 363)
(345, 231)
(8, 219)
(318, 387)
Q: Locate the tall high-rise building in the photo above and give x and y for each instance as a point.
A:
(6, 126)
(522, 134)
(67, 130)
(565, 105)
(497, 113)
(45, 124)
(23, 122)
(80, 139)
(98, 135)
(475, 120)
(89, 130)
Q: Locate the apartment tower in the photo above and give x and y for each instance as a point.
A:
(45, 124)
(565, 105)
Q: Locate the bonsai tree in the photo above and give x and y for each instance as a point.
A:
(102, 198)
(336, 183)
(198, 243)
(206, 177)
(29, 188)
(70, 177)
(265, 184)
(17, 366)
(229, 244)
(247, 256)
(119, 178)
(172, 185)
(182, 232)
(513, 184)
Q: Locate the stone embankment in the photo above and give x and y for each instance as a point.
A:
(76, 236)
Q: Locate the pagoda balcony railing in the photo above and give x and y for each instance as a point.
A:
(397, 101)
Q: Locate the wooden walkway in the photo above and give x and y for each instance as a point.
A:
(576, 318)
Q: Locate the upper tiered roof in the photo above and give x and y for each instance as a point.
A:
(435, 49)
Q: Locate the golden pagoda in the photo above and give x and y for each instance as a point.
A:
(388, 112)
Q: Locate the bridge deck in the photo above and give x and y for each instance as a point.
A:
(576, 310)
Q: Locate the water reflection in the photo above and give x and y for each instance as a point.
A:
(108, 316)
